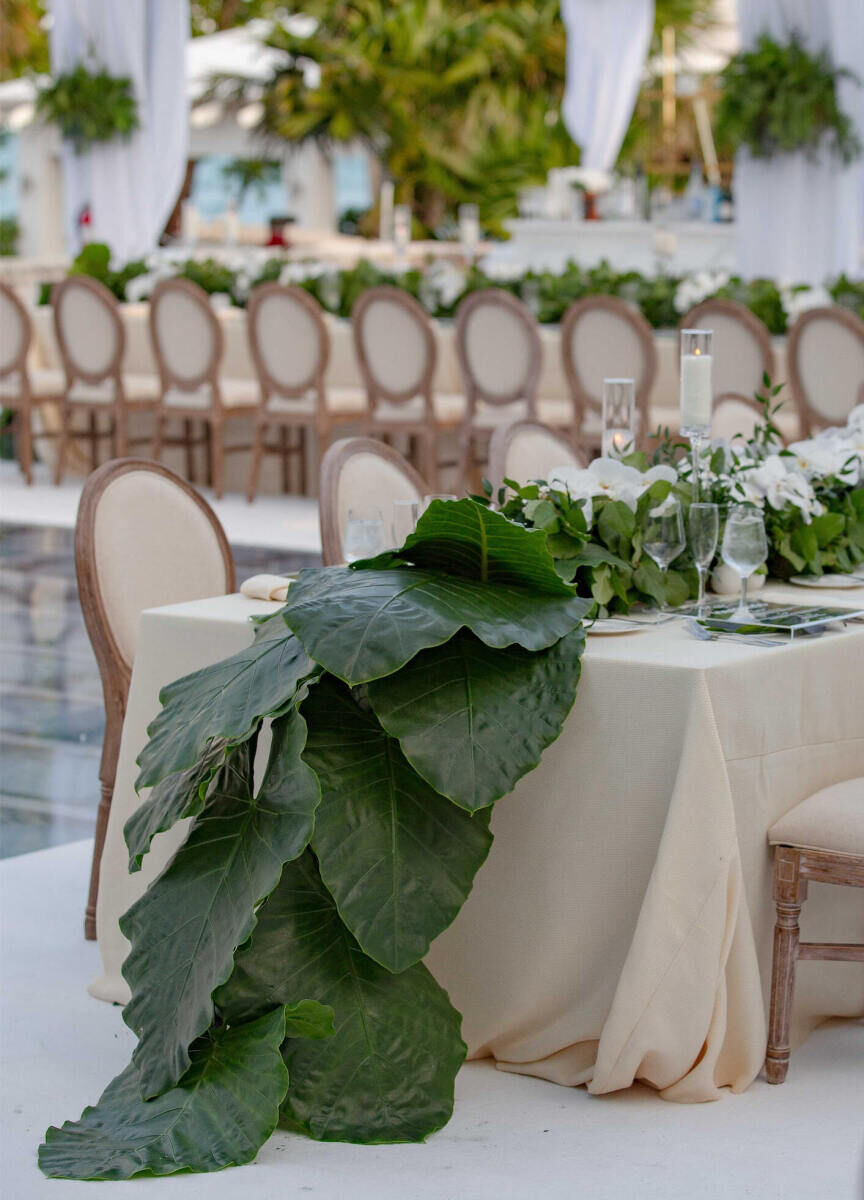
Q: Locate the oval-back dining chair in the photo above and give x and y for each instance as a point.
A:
(500, 356)
(397, 353)
(743, 354)
(528, 450)
(92, 341)
(603, 337)
(22, 389)
(365, 474)
(143, 538)
(290, 347)
(825, 362)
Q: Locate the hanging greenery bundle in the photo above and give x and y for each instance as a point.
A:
(778, 98)
(90, 106)
(275, 968)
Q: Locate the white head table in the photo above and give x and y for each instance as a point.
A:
(621, 928)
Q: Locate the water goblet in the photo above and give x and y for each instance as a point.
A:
(405, 515)
(745, 547)
(704, 526)
(364, 536)
(663, 534)
(427, 500)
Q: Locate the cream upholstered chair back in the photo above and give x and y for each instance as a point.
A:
(15, 331)
(90, 335)
(734, 417)
(288, 339)
(395, 345)
(741, 347)
(528, 450)
(825, 362)
(187, 342)
(603, 337)
(143, 538)
(364, 476)
(499, 349)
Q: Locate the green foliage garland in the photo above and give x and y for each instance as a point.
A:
(90, 106)
(778, 98)
(406, 694)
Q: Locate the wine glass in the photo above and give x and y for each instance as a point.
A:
(427, 500)
(405, 514)
(663, 534)
(364, 536)
(745, 547)
(704, 524)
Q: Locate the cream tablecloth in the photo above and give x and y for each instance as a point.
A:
(621, 928)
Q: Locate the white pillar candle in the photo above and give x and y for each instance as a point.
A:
(696, 392)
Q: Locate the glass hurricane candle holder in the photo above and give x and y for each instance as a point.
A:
(619, 426)
(696, 393)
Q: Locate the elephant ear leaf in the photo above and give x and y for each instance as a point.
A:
(471, 720)
(387, 1073)
(185, 930)
(398, 859)
(226, 700)
(222, 1112)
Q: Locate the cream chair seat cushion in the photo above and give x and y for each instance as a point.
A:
(45, 383)
(831, 820)
(236, 393)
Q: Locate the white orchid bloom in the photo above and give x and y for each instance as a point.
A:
(779, 485)
(838, 455)
(610, 478)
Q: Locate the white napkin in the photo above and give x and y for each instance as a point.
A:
(266, 587)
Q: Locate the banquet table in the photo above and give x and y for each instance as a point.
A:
(621, 927)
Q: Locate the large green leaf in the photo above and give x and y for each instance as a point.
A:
(464, 538)
(398, 858)
(387, 1074)
(226, 700)
(360, 625)
(221, 1114)
(180, 795)
(472, 721)
(185, 928)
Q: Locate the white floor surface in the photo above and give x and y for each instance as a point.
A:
(510, 1136)
(281, 522)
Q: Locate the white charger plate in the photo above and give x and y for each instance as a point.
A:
(608, 626)
(826, 581)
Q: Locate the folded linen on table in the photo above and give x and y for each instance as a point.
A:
(266, 587)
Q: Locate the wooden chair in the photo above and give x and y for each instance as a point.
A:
(365, 474)
(820, 840)
(290, 348)
(397, 353)
(92, 342)
(603, 337)
(143, 538)
(188, 345)
(825, 364)
(500, 356)
(528, 450)
(22, 388)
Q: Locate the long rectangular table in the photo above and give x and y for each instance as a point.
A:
(621, 928)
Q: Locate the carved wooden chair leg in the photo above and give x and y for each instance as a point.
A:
(789, 894)
(255, 464)
(102, 815)
(65, 418)
(189, 447)
(217, 458)
(24, 438)
(158, 435)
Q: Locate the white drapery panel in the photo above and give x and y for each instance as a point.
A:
(130, 187)
(799, 219)
(607, 44)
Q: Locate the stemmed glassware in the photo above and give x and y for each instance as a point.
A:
(704, 527)
(364, 536)
(663, 533)
(745, 547)
(405, 515)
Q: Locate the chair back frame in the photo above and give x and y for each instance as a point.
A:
(809, 417)
(188, 383)
(527, 387)
(269, 383)
(583, 401)
(114, 672)
(18, 365)
(505, 435)
(375, 389)
(331, 471)
(698, 317)
(73, 371)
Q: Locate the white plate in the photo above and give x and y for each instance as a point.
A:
(613, 625)
(826, 581)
